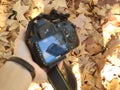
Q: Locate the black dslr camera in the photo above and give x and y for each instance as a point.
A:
(49, 37)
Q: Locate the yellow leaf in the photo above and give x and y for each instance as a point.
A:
(21, 9)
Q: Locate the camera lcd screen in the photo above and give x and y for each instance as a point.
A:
(52, 47)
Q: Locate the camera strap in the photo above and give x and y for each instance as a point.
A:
(55, 76)
(56, 79)
(59, 82)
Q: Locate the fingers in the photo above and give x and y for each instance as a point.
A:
(41, 75)
(60, 64)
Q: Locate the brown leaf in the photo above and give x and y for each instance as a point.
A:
(81, 47)
(92, 47)
(80, 21)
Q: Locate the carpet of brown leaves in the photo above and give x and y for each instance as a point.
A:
(95, 63)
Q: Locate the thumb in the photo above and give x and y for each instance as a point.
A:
(41, 75)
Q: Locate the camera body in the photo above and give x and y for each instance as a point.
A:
(50, 41)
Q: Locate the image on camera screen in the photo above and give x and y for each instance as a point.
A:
(52, 47)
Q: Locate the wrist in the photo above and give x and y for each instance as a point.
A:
(24, 57)
(14, 77)
(24, 64)
(18, 69)
(40, 74)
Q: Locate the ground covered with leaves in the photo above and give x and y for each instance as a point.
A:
(95, 62)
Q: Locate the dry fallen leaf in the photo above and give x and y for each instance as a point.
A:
(20, 9)
(12, 24)
(82, 49)
(89, 16)
(80, 21)
(82, 8)
(91, 46)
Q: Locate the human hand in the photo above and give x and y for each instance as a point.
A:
(21, 50)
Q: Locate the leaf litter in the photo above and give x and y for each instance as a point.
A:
(97, 23)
